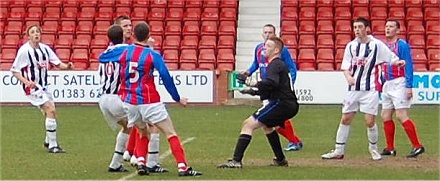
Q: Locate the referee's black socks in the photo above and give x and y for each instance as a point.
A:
(274, 141)
(242, 143)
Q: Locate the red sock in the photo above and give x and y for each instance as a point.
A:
(288, 132)
(132, 141)
(411, 131)
(141, 148)
(177, 149)
(390, 130)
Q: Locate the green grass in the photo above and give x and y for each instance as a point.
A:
(90, 143)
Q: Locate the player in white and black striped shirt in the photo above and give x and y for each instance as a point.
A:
(30, 67)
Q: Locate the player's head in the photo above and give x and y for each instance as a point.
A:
(125, 23)
(115, 34)
(392, 28)
(142, 32)
(274, 46)
(361, 27)
(268, 31)
(34, 33)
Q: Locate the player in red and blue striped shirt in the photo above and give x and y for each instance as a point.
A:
(143, 103)
(397, 92)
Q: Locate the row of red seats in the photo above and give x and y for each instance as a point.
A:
(349, 13)
(328, 59)
(357, 3)
(119, 3)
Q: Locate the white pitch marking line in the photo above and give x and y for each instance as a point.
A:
(164, 155)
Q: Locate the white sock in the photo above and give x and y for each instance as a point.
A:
(121, 142)
(373, 135)
(341, 138)
(51, 132)
(153, 150)
(46, 139)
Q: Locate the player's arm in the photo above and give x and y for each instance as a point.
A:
(20, 62)
(54, 60)
(272, 80)
(346, 65)
(254, 66)
(290, 63)
(405, 52)
(168, 81)
(384, 54)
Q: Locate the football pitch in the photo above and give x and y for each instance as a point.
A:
(210, 134)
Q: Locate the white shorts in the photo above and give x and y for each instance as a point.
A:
(39, 97)
(145, 113)
(112, 108)
(394, 94)
(367, 101)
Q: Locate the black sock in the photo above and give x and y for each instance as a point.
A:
(242, 144)
(274, 141)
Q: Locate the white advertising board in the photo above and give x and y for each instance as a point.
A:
(330, 88)
(82, 86)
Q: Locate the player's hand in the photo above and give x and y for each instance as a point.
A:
(31, 84)
(408, 92)
(183, 101)
(151, 41)
(351, 81)
(249, 91)
(242, 78)
(251, 82)
(400, 63)
(69, 66)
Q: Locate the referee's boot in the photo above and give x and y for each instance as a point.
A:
(280, 163)
(231, 164)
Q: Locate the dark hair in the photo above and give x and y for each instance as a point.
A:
(278, 42)
(141, 31)
(115, 34)
(363, 20)
(396, 21)
(120, 18)
(272, 26)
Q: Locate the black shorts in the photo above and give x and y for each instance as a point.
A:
(275, 113)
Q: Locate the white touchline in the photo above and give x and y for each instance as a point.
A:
(164, 155)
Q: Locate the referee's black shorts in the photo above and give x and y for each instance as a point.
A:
(276, 112)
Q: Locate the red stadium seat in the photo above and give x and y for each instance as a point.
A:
(306, 3)
(325, 27)
(189, 42)
(171, 42)
(324, 3)
(207, 59)
(62, 43)
(16, 16)
(11, 41)
(289, 14)
(122, 11)
(289, 3)
(378, 3)
(396, 3)
(413, 3)
(307, 28)
(342, 13)
(63, 54)
(69, 4)
(228, 14)
(307, 13)
(419, 56)
(80, 55)
(174, 14)
(101, 27)
(106, 3)
(139, 14)
(188, 59)
(342, 3)
(434, 66)
(158, 43)
(325, 41)
(141, 3)
(93, 66)
(293, 53)
(100, 42)
(379, 13)
(360, 3)
(211, 4)
(156, 27)
(432, 42)
(433, 55)
(104, 16)
(173, 30)
(84, 27)
(94, 54)
(420, 67)
(414, 14)
(209, 29)
(431, 3)
(290, 41)
(67, 27)
(191, 30)
(156, 14)
(229, 4)
(325, 13)
(88, 3)
(339, 55)
(415, 29)
(33, 16)
(81, 43)
(192, 14)
(210, 14)
(307, 41)
(226, 42)
(171, 58)
(378, 26)
(86, 16)
(193, 3)
(306, 55)
(13, 28)
(343, 27)
(18, 3)
(417, 41)
(227, 30)
(361, 12)
(289, 28)
(432, 14)
(176, 4)
(123, 3)
(325, 55)
(432, 28)
(225, 59)
(342, 40)
(208, 42)
(396, 13)
(8, 55)
(4, 4)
